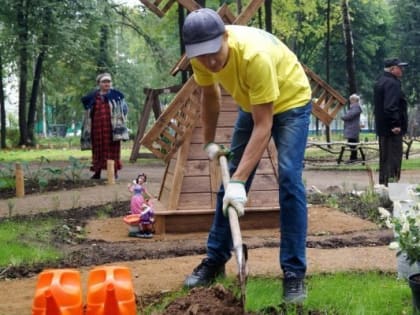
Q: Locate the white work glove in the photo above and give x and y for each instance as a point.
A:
(214, 150)
(235, 196)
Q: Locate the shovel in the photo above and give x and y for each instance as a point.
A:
(241, 251)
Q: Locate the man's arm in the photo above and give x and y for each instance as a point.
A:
(210, 107)
(262, 115)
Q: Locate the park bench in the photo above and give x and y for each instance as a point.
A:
(331, 147)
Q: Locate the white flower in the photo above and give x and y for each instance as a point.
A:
(385, 214)
(388, 223)
(397, 207)
(393, 245)
(405, 227)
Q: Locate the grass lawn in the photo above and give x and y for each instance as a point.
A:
(355, 293)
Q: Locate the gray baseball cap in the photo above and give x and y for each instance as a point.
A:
(394, 62)
(202, 32)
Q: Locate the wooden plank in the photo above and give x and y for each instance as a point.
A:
(223, 135)
(324, 85)
(170, 112)
(153, 8)
(321, 114)
(189, 5)
(197, 168)
(195, 201)
(227, 119)
(167, 6)
(331, 100)
(197, 152)
(200, 221)
(248, 12)
(263, 198)
(215, 181)
(196, 184)
(179, 171)
(264, 182)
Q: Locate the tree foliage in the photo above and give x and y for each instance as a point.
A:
(56, 48)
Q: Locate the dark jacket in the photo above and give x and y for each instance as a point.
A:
(352, 122)
(113, 96)
(390, 105)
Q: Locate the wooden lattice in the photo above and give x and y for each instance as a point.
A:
(168, 133)
(327, 102)
(160, 7)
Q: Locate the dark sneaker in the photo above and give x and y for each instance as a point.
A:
(293, 288)
(204, 274)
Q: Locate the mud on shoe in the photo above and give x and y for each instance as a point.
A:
(204, 274)
(294, 290)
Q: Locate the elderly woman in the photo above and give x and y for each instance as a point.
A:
(352, 125)
(108, 111)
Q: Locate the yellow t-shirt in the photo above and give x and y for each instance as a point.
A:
(260, 69)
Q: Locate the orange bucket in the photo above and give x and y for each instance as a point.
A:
(110, 291)
(132, 219)
(58, 292)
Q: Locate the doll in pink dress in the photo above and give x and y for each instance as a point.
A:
(139, 191)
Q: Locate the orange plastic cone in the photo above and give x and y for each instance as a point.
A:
(58, 292)
(110, 292)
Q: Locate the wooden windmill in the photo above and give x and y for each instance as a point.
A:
(188, 190)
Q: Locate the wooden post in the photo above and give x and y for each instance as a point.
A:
(110, 171)
(20, 183)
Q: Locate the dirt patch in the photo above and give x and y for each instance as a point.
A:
(206, 301)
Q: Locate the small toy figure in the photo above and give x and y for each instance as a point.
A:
(146, 220)
(138, 188)
(141, 219)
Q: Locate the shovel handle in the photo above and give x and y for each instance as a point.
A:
(233, 215)
(240, 249)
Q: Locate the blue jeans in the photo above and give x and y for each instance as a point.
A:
(290, 133)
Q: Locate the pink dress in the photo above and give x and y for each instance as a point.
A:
(137, 200)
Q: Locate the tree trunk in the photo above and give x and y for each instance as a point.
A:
(181, 19)
(37, 77)
(34, 97)
(348, 42)
(239, 6)
(23, 35)
(268, 16)
(2, 108)
(327, 61)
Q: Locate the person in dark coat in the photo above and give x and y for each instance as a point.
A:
(390, 119)
(107, 108)
(352, 124)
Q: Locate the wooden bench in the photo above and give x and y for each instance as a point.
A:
(351, 147)
(199, 220)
